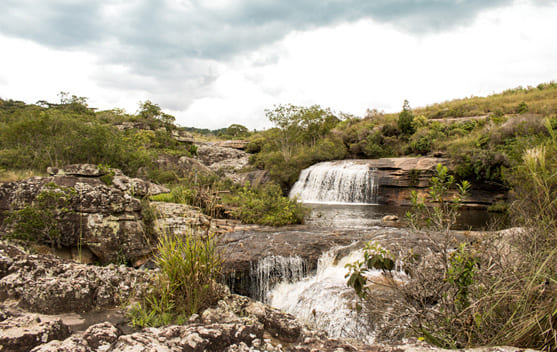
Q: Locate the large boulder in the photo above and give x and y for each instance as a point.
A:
(223, 159)
(100, 214)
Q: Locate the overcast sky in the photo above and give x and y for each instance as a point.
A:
(217, 62)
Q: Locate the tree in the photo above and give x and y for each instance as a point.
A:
(150, 110)
(405, 119)
(300, 125)
(236, 130)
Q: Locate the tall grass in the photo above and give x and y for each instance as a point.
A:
(186, 284)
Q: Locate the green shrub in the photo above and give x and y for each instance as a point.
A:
(41, 221)
(186, 284)
(266, 206)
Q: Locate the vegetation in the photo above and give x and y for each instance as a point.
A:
(41, 221)
(498, 290)
(302, 137)
(483, 136)
(186, 284)
(263, 205)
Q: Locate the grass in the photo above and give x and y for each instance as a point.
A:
(186, 284)
(18, 175)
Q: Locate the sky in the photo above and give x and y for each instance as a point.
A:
(213, 63)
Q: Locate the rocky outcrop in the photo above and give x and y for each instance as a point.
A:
(50, 285)
(180, 219)
(99, 212)
(228, 161)
(233, 143)
(183, 166)
(237, 324)
(394, 179)
(22, 333)
(398, 177)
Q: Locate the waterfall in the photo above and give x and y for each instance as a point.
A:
(323, 301)
(336, 182)
(273, 269)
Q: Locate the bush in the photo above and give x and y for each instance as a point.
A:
(186, 284)
(41, 221)
(266, 206)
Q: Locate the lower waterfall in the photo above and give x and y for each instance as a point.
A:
(273, 269)
(343, 181)
(323, 301)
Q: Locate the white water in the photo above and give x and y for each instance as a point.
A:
(273, 269)
(336, 182)
(323, 301)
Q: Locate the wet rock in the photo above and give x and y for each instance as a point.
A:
(21, 333)
(389, 218)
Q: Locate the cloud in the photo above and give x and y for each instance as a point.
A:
(149, 35)
(179, 53)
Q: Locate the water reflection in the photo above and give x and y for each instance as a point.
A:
(355, 216)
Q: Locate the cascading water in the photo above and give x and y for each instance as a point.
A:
(274, 269)
(324, 301)
(336, 182)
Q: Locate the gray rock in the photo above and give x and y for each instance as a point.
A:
(48, 284)
(107, 220)
(21, 333)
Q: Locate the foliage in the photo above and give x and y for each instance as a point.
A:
(499, 290)
(444, 212)
(186, 283)
(406, 119)
(41, 221)
(375, 257)
(235, 131)
(266, 206)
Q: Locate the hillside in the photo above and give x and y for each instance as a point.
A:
(482, 135)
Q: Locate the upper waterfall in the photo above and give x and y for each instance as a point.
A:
(343, 181)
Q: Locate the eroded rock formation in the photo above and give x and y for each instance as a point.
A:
(100, 214)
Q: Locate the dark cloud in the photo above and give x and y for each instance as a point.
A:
(177, 41)
(163, 30)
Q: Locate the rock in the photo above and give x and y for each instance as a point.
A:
(183, 136)
(389, 218)
(280, 325)
(213, 337)
(396, 178)
(213, 154)
(86, 170)
(233, 143)
(180, 219)
(105, 219)
(255, 178)
(138, 187)
(99, 337)
(193, 166)
(22, 333)
(230, 166)
(50, 285)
